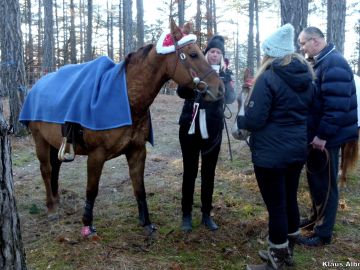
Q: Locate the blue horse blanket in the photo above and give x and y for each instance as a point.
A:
(92, 94)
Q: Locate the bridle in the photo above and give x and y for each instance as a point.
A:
(198, 81)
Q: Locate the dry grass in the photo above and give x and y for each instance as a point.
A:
(238, 209)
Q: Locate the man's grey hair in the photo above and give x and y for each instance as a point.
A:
(313, 32)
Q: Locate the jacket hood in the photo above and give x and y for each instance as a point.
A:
(296, 74)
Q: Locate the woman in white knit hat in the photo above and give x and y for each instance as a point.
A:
(276, 117)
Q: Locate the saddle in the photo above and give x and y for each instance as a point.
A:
(72, 136)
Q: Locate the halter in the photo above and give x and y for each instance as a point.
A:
(195, 79)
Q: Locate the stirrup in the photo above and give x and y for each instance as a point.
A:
(64, 156)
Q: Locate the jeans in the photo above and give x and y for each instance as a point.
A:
(324, 193)
(278, 187)
(191, 147)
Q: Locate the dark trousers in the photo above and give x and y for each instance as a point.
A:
(324, 191)
(191, 147)
(278, 187)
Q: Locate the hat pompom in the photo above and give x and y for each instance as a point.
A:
(218, 42)
(280, 43)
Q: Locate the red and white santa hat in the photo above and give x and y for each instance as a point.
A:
(166, 45)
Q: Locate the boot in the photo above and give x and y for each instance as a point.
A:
(289, 259)
(208, 222)
(276, 255)
(314, 241)
(186, 225)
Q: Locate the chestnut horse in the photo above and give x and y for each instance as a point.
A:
(146, 72)
(350, 150)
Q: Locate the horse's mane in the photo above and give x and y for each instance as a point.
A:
(141, 53)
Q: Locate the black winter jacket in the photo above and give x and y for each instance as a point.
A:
(334, 115)
(277, 113)
(214, 110)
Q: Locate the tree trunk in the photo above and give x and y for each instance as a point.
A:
(48, 60)
(140, 23)
(209, 29)
(57, 36)
(88, 46)
(109, 30)
(214, 16)
(250, 51)
(296, 13)
(181, 12)
(73, 53)
(12, 254)
(65, 31)
(257, 38)
(121, 51)
(13, 73)
(198, 22)
(237, 59)
(81, 30)
(127, 24)
(30, 46)
(336, 12)
(40, 51)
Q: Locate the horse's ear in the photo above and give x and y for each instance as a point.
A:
(188, 28)
(175, 31)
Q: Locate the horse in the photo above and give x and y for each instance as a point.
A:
(146, 71)
(350, 150)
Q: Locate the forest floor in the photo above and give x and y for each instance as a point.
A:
(122, 243)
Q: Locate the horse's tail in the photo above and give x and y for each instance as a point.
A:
(349, 159)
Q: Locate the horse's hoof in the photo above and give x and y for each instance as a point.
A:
(150, 229)
(89, 232)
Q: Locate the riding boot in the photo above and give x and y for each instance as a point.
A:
(209, 222)
(289, 259)
(276, 256)
(186, 225)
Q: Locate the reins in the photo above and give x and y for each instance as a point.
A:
(327, 163)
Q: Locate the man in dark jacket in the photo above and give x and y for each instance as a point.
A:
(332, 122)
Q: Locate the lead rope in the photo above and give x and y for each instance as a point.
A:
(321, 214)
(227, 130)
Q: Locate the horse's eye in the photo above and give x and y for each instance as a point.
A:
(193, 54)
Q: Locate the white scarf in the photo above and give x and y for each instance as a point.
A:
(202, 121)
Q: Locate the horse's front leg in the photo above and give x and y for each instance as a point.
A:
(95, 164)
(136, 160)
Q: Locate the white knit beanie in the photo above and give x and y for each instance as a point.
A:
(280, 43)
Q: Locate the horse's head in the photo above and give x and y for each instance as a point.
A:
(186, 63)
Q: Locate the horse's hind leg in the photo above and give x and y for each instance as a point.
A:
(136, 159)
(43, 153)
(55, 169)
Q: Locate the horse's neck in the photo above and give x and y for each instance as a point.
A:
(145, 80)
